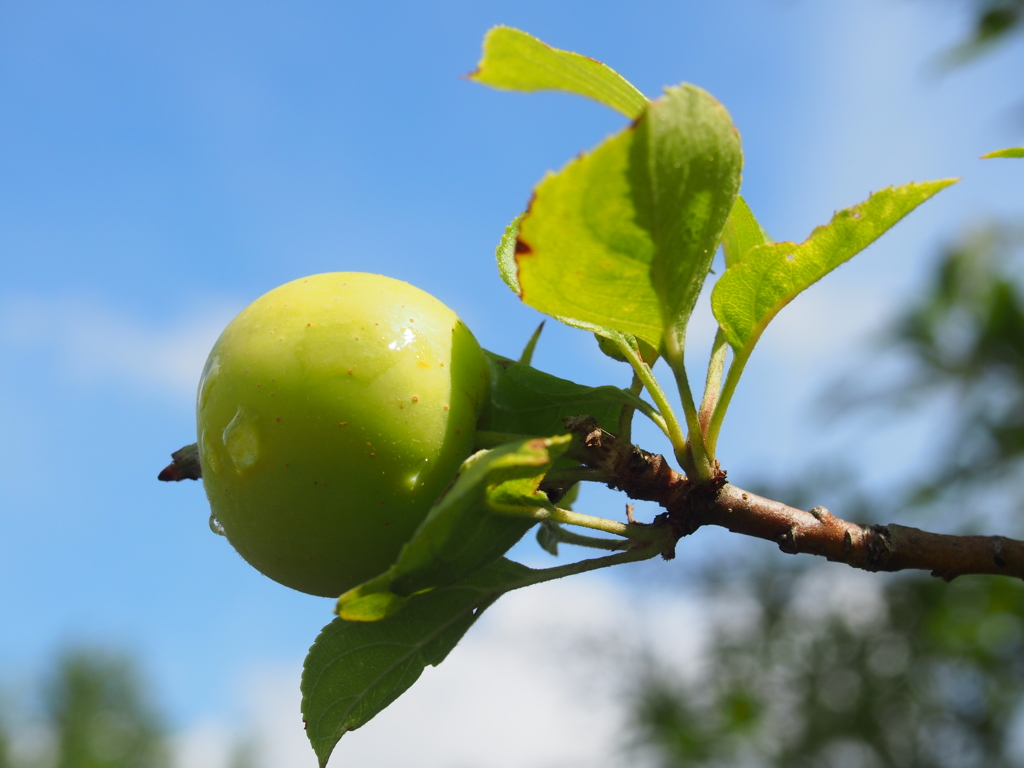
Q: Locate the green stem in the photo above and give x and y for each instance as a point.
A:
(625, 433)
(672, 428)
(700, 466)
(483, 439)
(578, 539)
(651, 413)
(713, 384)
(539, 576)
(568, 517)
(728, 389)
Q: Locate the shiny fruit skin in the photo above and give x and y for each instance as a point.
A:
(332, 412)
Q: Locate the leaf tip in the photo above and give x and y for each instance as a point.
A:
(1003, 153)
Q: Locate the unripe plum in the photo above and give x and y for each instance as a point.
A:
(331, 413)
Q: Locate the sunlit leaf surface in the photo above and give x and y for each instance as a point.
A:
(742, 233)
(356, 669)
(517, 61)
(768, 277)
(623, 236)
(1011, 152)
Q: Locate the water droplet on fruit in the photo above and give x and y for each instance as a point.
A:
(207, 452)
(209, 378)
(215, 525)
(412, 481)
(241, 438)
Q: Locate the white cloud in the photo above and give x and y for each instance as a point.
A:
(538, 682)
(206, 745)
(96, 344)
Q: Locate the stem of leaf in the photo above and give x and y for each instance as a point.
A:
(539, 576)
(739, 360)
(569, 537)
(651, 413)
(694, 453)
(626, 417)
(568, 517)
(672, 428)
(713, 384)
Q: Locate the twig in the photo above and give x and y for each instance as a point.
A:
(689, 506)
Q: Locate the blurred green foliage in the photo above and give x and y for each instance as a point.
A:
(965, 340)
(922, 674)
(101, 715)
(994, 21)
(96, 713)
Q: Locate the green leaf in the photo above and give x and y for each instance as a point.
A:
(623, 237)
(527, 357)
(1011, 152)
(606, 343)
(547, 538)
(506, 253)
(517, 61)
(480, 517)
(741, 233)
(752, 292)
(526, 401)
(354, 670)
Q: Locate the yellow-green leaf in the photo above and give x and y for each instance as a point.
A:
(356, 669)
(517, 61)
(768, 277)
(1011, 152)
(506, 255)
(623, 236)
(742, 233)
(466, 529)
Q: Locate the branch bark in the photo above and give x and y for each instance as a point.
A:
(689, 506)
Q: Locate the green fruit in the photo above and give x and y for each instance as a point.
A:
(332, 412)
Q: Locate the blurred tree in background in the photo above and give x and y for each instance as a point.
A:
(5, 747)
(922, 674)
(994, 22)
(925, 673)
(96, 713)
(101, 715)
(930, 674)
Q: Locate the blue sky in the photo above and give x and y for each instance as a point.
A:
(164, 164)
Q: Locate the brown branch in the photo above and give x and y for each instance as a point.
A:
(688, 506)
